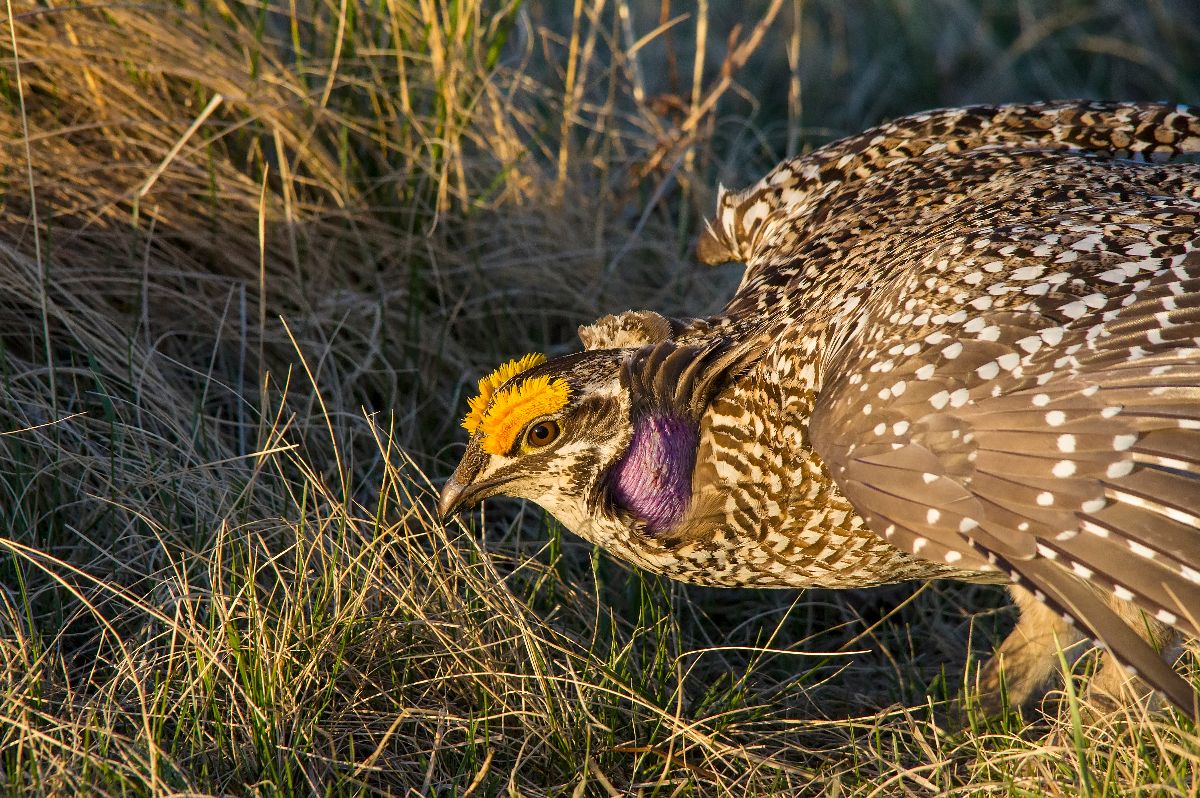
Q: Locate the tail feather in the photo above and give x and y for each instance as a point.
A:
(1076, 446)
(1083, 606)
(1163, 493)
(1152, 585)
(1172, 539)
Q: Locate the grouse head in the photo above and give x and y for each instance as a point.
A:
(604, 440)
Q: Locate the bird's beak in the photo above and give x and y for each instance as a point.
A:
(459, 496)
(451, 500)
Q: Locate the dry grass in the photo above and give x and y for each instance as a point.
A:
(250, 258)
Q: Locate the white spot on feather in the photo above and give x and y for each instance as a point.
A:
(1119, 469)
(1030, 343)
(1052, 335)
(1009, 361)
(1063, 469)
(1141, 550)
(1123, 442)
(1073, 310)
(758, 210)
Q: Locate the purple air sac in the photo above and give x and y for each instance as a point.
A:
(654, 478)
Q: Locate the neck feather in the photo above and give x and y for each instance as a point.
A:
(653, 480)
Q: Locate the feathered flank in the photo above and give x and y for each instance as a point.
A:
(514, 407)
(489, 384)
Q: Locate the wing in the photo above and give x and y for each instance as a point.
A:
(1057, 439)
(752, 225)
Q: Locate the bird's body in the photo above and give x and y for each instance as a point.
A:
(966, 345)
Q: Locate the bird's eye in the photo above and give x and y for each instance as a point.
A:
(543, 433)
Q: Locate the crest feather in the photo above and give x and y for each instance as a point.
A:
(514, 407)
(500, 415)
(489, 384)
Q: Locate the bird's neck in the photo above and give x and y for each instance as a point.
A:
(653, 480)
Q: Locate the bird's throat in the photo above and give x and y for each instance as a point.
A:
(653, 480)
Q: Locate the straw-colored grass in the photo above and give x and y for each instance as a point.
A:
(251, 257)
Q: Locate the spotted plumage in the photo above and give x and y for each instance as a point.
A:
(966, 345)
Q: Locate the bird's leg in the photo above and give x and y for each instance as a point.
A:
(1111, 685)
(1028, 657)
